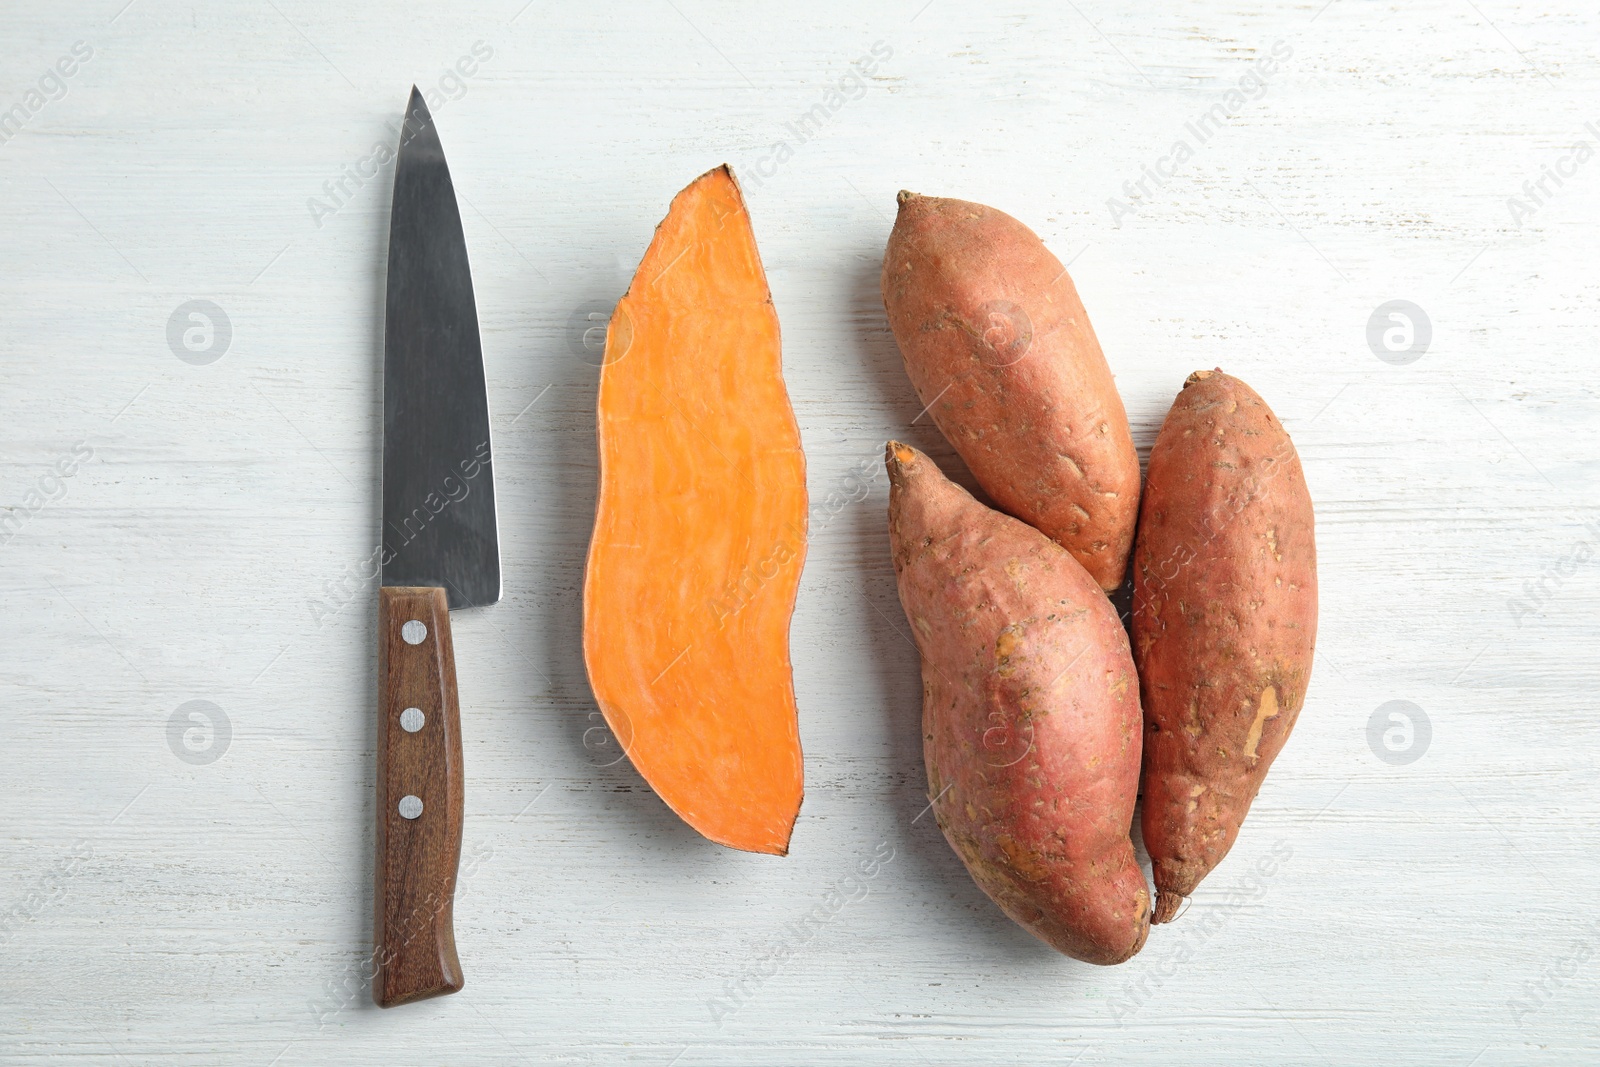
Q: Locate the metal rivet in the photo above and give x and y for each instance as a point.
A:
(413, 632)
(411, 720)
(410, 806)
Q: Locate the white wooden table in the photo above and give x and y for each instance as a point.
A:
(189, 521)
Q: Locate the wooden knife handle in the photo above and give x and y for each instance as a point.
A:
(420, 799)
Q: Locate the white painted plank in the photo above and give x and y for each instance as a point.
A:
(175, 913)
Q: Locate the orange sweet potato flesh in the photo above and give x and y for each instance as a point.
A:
(700, 529)
(1030, 715)
(998, 346)
(1224, 621)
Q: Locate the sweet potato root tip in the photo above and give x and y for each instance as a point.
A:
(1167, 904)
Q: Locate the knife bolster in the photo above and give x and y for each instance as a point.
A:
(420, 799)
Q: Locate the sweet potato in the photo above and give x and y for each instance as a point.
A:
(1224, 621)
(1030, 716)
(998, 346)
(700, 529)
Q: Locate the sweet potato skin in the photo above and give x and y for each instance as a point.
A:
(1031, 724)
(997, 343)
(1224, 621)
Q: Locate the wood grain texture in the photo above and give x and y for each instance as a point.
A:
(418, 847)
(212, 542)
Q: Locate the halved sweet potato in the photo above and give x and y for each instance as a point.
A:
(700, 530)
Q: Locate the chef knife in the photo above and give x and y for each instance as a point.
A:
(441, 553)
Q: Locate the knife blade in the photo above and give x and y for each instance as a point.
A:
(441, 552)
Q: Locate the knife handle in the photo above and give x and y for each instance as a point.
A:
(420, 799)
